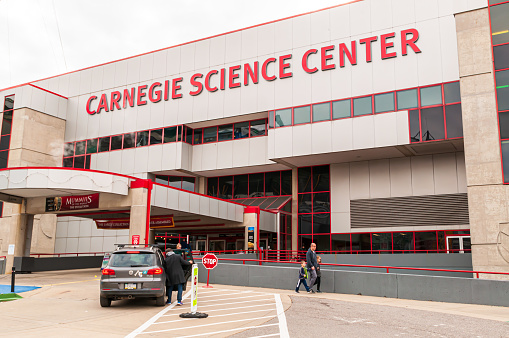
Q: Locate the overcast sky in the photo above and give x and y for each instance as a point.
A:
(42, 38)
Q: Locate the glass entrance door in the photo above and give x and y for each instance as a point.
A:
(458, 244)
(201, 245)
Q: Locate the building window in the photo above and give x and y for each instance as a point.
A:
(314, 206)
(362, 106)
(341, 109)
(6, 131)
(384, 103)
(407, 99)
(180, 182)
(275, 183)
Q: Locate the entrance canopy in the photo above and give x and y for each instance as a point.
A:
(115, 198)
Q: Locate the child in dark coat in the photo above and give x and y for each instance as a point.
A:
(303, 274)
(318, 274)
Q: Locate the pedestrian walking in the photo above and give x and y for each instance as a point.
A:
(311, 265)
(174, 274)
(303, 274)
(318, 273)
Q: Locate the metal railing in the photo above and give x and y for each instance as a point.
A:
(68, 254)
(383, 267)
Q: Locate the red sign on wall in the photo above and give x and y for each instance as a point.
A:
(69, 203)
(135, 240)
(123, 223)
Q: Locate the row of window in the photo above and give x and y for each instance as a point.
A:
(384, 242)
(275, 183)
(499, 12)
(436, 123)
(372, 104)
(181, 182)
(226, 132)
(5, 138)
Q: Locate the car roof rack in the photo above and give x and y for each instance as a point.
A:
(136, 246)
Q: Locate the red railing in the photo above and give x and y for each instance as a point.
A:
(384, 267)
(294, 255)
(77, 254)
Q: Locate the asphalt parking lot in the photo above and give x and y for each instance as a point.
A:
(67, 304)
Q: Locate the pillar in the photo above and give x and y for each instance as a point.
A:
(251, 215)
(295, 209)
(488, 197)
(141, 191)
(16, 220)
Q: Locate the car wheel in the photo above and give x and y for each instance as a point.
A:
(160, 301)
(105, 302)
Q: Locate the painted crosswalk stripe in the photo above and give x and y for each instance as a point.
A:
(211, 324)
(228, 314)
(227, 309)
(149, 322)
(230, 330)
(283, 328)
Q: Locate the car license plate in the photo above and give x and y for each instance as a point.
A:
(130, 286)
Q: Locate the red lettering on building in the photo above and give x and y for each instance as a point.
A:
(386, 45)
(103, 104)
(207, 81)
(367, 42)
(247, 73)
(264, 69)
(284, 65)
(154, 95)
(350, 54)
(326, 57)
(174, 87)
(305, 59)
(251, 73)
(115, 99)
(141, 95)
(232, 76)
(409, 42)
(89, 101)
(197, 84)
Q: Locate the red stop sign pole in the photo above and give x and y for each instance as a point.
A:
(209, 261)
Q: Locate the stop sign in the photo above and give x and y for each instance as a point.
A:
(209, 261)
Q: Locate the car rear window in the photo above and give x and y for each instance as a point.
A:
(128, 259)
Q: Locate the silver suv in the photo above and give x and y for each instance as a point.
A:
(134, 272)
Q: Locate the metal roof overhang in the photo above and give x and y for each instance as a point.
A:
(190, 210)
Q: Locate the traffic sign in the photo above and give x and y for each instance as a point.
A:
(209, 261)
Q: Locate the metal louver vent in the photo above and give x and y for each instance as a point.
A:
(410, 211)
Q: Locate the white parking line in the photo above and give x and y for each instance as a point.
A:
(231, 308)
(149, 322)
(267, 335)
(211, 324)
(230, 330)
(229, 294)
(283, 328)
(209, 301)
(228, 314)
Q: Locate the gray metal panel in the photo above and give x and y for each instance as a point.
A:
(366, 283)
(450, 209)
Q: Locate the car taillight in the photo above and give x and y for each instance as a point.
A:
(156, 271)
(108, 272)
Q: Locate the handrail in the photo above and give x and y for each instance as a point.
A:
(68, 253)
(387, 268)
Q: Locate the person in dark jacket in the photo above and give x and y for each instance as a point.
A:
(312, 265)
(318, 273)
(174, 274)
